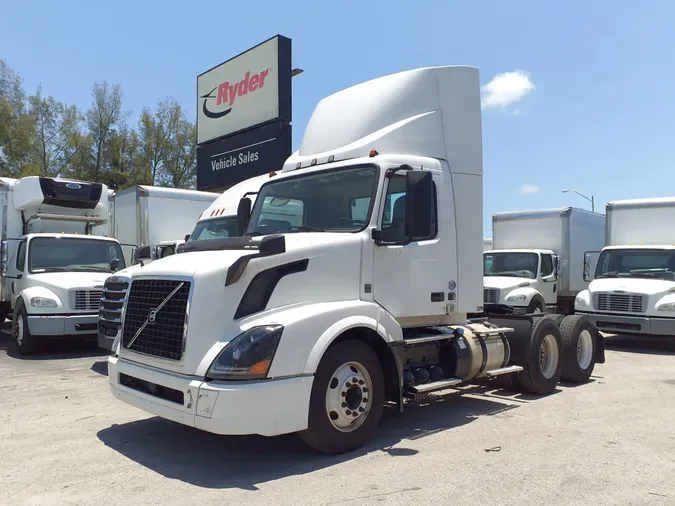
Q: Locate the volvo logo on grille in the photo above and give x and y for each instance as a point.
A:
(152, 315)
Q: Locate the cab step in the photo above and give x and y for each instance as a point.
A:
(503, 370)
(425, 388)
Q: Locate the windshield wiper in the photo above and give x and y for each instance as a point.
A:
(50, 269)
(306, 228)
(607, 276)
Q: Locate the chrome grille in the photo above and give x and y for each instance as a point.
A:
(624, 302)
(163, 337)
(490, 295)
(110, 310)
(85, 300)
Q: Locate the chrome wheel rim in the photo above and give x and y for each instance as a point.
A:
(549, 355)
(349, 397)
(585, 349)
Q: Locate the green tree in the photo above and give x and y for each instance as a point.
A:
(102, 118)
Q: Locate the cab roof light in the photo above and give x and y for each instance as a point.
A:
(373, 153)
(272, 173)
(313, 162)
(298, 165)
(331, 158)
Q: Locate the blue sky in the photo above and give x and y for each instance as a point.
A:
(593, 104)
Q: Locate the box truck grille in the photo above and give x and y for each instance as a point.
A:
(110, 310)
(490, 295)
(85, 300)
(629, 303)
(152, 331)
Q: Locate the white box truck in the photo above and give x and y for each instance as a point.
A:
(632, 290)
(312, 326)
(107, 229)
(52, 268)
(145, 216)
(535, 264)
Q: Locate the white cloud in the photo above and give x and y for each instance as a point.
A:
(506, 88)
(528, 189)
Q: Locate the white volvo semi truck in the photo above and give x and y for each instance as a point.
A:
(52, 267)
(312, 326)
(535, 264)
(632, 291)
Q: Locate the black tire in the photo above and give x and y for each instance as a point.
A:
(321, 434)
(536, 303)
(532, 378)
(571, 329)
(25, 344)
(557, 318)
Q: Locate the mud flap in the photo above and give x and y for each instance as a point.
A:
(599, 348)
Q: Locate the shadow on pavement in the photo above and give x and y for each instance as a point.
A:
(100, 367)
(643, 345)
(207, 460)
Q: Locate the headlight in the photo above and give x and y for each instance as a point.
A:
(43, 302)
(579, 303)
(516, 298)
(247, 356)
(668, 306)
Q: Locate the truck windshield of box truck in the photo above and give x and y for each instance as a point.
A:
(516, 265)
(636, 263)
(56, 254)
(331, 201)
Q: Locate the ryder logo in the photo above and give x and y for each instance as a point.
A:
(227, 93)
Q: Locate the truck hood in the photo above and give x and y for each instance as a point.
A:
(332, 272)
(631, 285)
(69, 280)
(505, 282)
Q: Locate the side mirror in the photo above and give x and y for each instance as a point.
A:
(142, 254)
(590, 263)
(243, 214)
(187, 237)
(418, 205)
(114, 264)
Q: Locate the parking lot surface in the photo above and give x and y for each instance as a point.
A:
(66, 440)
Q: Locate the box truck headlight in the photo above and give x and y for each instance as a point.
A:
(516, 298)
(43, 302)
(247, 356)
(579, 303)
(668, 306)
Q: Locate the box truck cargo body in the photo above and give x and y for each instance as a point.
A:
(536, 261)
(145, 216)
(633, 285)
(350, 287)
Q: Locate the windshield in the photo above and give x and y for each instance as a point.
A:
(56, 254)
(165, 251)
(516, 265)
(335, 201)
(636, 263)
(220, 228)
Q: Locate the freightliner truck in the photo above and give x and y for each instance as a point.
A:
(535, 264)
(312, 327)
(52, 267)
(632, 291)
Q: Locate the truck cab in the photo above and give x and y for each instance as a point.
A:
(632, 279)
(522, 279)
(53, 275)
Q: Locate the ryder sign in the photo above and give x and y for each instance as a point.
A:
(248, 90)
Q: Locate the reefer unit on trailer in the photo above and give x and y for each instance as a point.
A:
(52, 268)
(145, 216)
(537, 258)
(633, 280)
(350, 286)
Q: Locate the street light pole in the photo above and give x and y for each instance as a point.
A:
(591, 199)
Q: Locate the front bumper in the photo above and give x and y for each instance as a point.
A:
(63, 325)
(267, 408)
(632, 325)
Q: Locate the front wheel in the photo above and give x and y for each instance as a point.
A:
(25, 341)
(347, 399)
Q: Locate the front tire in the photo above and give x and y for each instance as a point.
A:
(347, 399)
(26, 343)
(578, 336)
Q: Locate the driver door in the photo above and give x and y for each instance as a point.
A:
(408, 278)
(549, 282)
